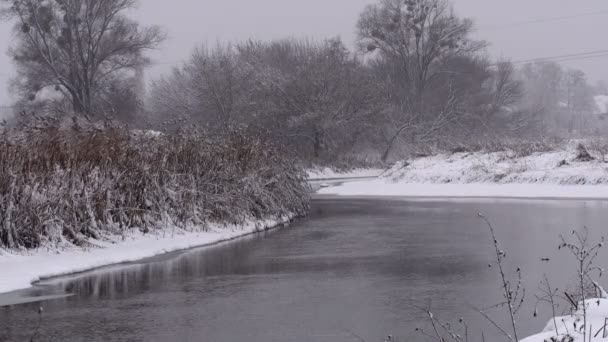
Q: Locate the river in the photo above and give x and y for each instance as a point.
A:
(356, 269)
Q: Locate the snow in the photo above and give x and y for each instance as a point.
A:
(559, 167)
(19, 271)
(549, 191)
(327, 173)
(597, 313)
(555, 174)
(146, 133)
(601, 104)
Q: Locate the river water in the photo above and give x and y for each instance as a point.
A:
(356, 269)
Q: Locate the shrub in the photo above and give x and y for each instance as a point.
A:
(72, 185)
(582, 155)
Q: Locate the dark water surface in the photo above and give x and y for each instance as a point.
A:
(355, 270)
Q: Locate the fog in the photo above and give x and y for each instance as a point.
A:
(192, 22)
(241, 110)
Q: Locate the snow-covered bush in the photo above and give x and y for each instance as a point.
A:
(58, 185)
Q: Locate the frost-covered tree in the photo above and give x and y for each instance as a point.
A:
(76, 48)
(562, 100)
(312, 96)
(578, 100)
(417, 38)
(321, 96)
(542, 83)
(214, 88)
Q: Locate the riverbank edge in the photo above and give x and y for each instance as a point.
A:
(20, 271)
(388, 188)
(559, 328)
(326, 173)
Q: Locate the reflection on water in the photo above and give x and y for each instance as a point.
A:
(120, 281)
(355, 267)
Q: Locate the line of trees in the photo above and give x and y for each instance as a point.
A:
(416, 81)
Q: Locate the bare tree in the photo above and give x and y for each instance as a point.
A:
(496, 103)
(215, 88)
(76, 47)
(542, 83)
(578, 100)
(417, 38)
(319, 94)
(585, 253)
(507, 90)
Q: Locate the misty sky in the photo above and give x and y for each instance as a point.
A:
(192, 22)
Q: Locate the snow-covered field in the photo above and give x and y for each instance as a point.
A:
(327, 173)
(500, 174)
(18, 271)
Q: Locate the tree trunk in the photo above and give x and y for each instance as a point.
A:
(391, 143)
(389, 147)
(317, 145)
(77, 105)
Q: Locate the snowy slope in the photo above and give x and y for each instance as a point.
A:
(18, 271)
(558, 167)
(597, 313)
(498, 174)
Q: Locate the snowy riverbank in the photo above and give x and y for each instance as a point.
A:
(328, 174)
(18, 271)
(557, 174)
(383, 187)
(569, 328)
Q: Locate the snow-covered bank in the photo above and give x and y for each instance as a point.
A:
(19, 271)
(383, 187)
(327, 173)
(558, 167)
(569, 328)
(558, 174)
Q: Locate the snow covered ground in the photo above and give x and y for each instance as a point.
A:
(387, 188)
(500, 174)
(327, 173)
(571, 326)
(18, 271)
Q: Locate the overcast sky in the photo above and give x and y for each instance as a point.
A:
(192, 22)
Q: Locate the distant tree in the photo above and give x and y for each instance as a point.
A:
(124, 101)
(601, 87)
(562, 99)
(320, 96)
(417, 38)
(578, 96)
(502, 93)
(76, 48)
(507, 89)
(214, 88)
(543, 97)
